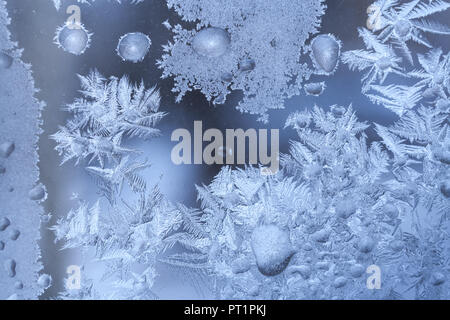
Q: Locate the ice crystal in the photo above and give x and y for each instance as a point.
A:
(378, 59)
(401, 23)
(260, 50)
(110, 110)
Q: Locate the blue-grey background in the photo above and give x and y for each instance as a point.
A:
(33, 25)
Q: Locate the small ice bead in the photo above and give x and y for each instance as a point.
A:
(314, 89)
(402, 28)
(326, 51)
(45, 281)
(14, 234)
(37, 193)
(73, 40)
(5, 60)
(4, 223)
(6, 149)
(10, 267)
(211, 42)
(445, 188)
(247, 65)
(339, 282)
(133, 47)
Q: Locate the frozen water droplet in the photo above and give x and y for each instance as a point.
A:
(221, 99)
(211, 42)
(338, 111)
(326, 51)
(4, 223)
(314, 88)
(240, 265)
(402, 28)
(445, 188)
(6, 149)
(227, 77)
(37, 193)
(272, 249)
(18, 285)
(133, 47)
(73, 40)
(357, 270)
(396, 245)
(2, 245)
(366, 245)
(391, 211)
(45, 281)
(437, 278)
(2, 169)
(247, 65)
(322, 265)
(304, 271)
(321, 235)
(339, 282)
(14, 234)
(345, 209)
(14, 296)
(5, 60)
(10, 267)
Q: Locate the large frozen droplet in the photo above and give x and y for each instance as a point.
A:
(314, 88)
(14, 296)
(45, 281)
(272, 249)
(74, 40)
(6, 148)
(10, 267)
(37, 193)
(133, 46)
(211, 42)
(326, 51)
(5, 60)
(4, 223)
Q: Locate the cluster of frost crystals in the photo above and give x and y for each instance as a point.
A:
(254, 47)
(127, 236)
(311, 230)
(340, 206)
(391, 26)
(128, 225)
(110, 110)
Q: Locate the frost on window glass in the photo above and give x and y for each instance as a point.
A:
(254, 47)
